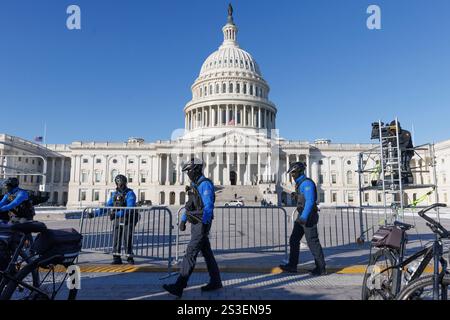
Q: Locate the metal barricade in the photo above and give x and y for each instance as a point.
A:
(242, 229)
(141, 232)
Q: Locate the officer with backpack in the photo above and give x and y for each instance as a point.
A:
(199, 213)
(306, 222)
(16, 205)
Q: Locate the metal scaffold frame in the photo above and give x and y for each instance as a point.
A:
(387, 157)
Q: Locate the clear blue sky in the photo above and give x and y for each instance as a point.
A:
(129, 70)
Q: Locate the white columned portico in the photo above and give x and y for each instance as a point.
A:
(61, 181)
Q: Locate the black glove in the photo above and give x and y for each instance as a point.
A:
(91, 215)
(182, 225)
(205, 229)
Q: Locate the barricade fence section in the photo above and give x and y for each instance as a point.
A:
(141, 232)
(242, 229)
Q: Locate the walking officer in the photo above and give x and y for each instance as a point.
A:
(199, 212)
(16, 205)
(306, 222)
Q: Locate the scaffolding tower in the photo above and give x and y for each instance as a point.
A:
(384, 164)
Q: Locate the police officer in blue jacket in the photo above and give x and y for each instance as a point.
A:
(124, 219)
(16, 205)
(200, 213)
(306, 222)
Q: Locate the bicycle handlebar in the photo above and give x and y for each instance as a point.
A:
(421, 213)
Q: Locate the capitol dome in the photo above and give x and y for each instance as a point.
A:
(230, 90)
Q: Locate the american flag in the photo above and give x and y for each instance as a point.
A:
(39, 139)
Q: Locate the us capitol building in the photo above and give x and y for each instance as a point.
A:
(231, 124)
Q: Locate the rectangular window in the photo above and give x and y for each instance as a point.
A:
(143, 178)
(98, 177)
(82, 195)
(334, 197)
(321, 197)
(130, 178)
(98, 160)
(379, 197)
(321, 179)
(85, 160)
(142, 196)
(366, 197)
(96, 195)
(144, 161)
(333, 178)
(350, 197)
(130, 161)
(84, 177)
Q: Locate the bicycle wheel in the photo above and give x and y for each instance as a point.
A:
(422, 289)
(376, 285)
(52, 280)
(25, 257)
(14, 291)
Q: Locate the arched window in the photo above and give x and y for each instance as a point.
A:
(245, 88)
(172, 198)
(210, 89)
(206, 91)
(230, 88)
(162, 197)
(217, 88)
(201, 92)
(238, 88)
(251, 89)
(224, 88)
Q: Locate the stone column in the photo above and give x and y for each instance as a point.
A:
(93, 170)
(72, 168)
(61, 182)
(252, 123)
(249, 173)
(53, 170)
(287, 177)
(138, 166)
(259, 117)
(159, 171)
(167, 170)
(259, 167)
(178, 171)
(238, 166)
(269, 157)
(206, 172)
(227, 115)
(228, 170)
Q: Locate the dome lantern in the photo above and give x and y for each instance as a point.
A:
(230, 30)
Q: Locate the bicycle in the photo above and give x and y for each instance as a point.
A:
(388, 269)
(40, 278)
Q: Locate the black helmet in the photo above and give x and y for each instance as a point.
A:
(10, 183)
(121, 181)
(193, 168)
(296, 169)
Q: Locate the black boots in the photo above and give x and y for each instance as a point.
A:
(316, 272)
(173, 289)
(117, 260)
(212, 286)
(130, 260)
(288, 268)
